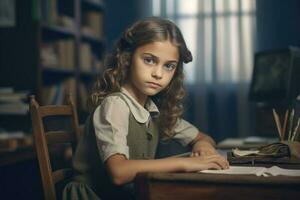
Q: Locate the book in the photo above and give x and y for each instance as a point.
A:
(13, 102)
(258, 171)
(56, 94)
(5, 90)
(14, 108)
(64, 50)
(85, 57)
(275, 150)
(93, 20)
(279, 153)
(13, 96)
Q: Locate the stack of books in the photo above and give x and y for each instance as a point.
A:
(12, 102)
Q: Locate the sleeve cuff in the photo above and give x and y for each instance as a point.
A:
(111, 150)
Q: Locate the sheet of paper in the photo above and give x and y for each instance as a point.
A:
(239, 152)
(258, 171)
(275, 171)
(240, 170)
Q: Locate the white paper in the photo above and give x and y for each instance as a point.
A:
(258, 171)
(275, 171)
(239, 152)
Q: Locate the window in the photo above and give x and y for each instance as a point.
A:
(219, 33)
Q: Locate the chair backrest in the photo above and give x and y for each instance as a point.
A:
(45, 137)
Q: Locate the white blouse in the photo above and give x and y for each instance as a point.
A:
(111, 122)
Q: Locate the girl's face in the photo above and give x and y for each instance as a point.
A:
(152, 69)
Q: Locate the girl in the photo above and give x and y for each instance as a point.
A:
(136, 103)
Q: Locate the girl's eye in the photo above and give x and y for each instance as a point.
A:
(170, 66)
(149, 61)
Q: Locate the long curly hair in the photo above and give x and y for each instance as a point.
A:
(117, 64)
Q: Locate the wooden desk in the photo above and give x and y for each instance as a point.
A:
(188, 186)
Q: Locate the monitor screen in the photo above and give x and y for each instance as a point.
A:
(272, 76)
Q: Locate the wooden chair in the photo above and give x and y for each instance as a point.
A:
(44, 138)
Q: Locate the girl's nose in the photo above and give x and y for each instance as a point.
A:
(157, 72)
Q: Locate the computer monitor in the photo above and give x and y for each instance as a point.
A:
(276, 76)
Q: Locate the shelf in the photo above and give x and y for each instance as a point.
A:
(88, 76)
(54, 31)
(21, 112)
(44, 48)
(96, 43)
(13, 122)
(51, 75)
(53, 71)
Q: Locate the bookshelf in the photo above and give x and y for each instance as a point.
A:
(55, 47)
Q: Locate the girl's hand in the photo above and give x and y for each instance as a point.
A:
(193, 164)
(203, 148)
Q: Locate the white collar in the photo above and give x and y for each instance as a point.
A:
(140, 113)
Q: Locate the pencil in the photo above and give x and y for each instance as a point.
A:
(285, 123)
(291, 119)
(296, 130)
(276, 118)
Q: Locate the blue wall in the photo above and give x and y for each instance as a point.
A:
(119, 14)
(278, 24)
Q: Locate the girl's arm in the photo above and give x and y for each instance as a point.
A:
(203, 137)
(123, 171)
(203, 145)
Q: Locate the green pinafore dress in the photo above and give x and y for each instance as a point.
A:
(91, 180)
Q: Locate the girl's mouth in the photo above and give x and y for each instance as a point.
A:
(154, 85)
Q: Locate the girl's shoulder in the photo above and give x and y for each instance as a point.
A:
(115, 95)
(115, 100)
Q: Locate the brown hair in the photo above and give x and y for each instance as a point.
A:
(169, 101)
